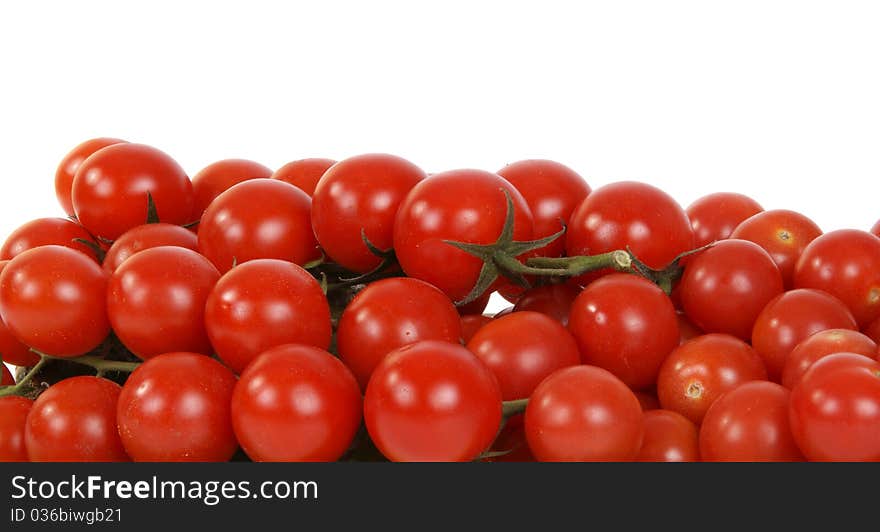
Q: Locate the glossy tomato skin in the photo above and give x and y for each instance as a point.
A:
(669, 437)
(522, 349)
(111, 187)
(304, 174)
(715, 216)
(846, 264)
(258, 219)
(220, 176)
(357, 195)
(13, 414)
(176, 408)
(461, 205)
(432, 402)
(749, 424)
(62, 283)
(75, 421)
(699, 371)
(725, 287)
(583, 414)
(156, 301)
(389, 314)
(471, 323)
(553, 300)
(262, 304)
(145, 237)
(625, 324)
(296, 403)
(783, 234)
(13, 351)
(820, 345)
(792, 317)
(44, 232)
(71, 163)
(552, 192)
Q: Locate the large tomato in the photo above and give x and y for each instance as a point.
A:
(669, 437)
(70, 164)
(144, 237)
(820, 345)
(45, 232)
(217, 177)
(13, 414)
(714, 217)
(304, 174)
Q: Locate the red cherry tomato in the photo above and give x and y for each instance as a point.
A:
(304, 174)
(472, 323)
(627, 325)
(258, 219)
(686, 328)
(175, 408)
(11, 349)
(145, 237)
(699, 371)
(749, 424)
(477, 306)
(6, 377)
(389, 314)
(296, 403)
(75, 421)
(725, 287)
(262, 304)
(669, 437)
(714, 217)
(111, 187)
(648, 401)
(820, 345)
(553, 300)
(44, 232)
(432, 402)
(583, 414)
(872, 331)
(783, 234)
(876, 229)
(13, 414)
(218, 177)
(56, 282)
(71, 163)
(791, 318)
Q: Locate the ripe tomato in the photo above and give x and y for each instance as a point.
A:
(296, 403)
(714, 217)
(583, 414)
(144, 237)
(389, 314)
(75, 421)
(835, 409)
(258, 219)
(156, 301)
(846, 264)
(11, 349)
(876, 229)
(56, 282)
(552, 191)
(175, 408)
(553, 300)
(5, 376)
(725, 287)
(783, 234)
(820, 345)
(44, 232)
(472, 323)
(669, 437)
(791, 318)
(432, 402)
(686, 328)
(111, 187)
(218, 177)
(13, 413)
(648, 401)
(262, 304)
(700, 370)
(460, 205)
(477, 306)
(71, 163)
(749, 424)
(625, 324)
(872, 331)
(523, 348)
(304, 174)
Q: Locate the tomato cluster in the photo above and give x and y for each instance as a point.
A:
(335, 311)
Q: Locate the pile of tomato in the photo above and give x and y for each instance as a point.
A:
(335, 311)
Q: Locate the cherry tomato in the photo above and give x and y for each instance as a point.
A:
(699, 371)
(583, 414)
(846, 264)
(477, 306)
(835, 409)
(432, 402)
(876, 229)
(783, 234)
(669, 437)
(553, 300)
(6, 377)
(296, 403)
(44, 232)
(872, 331)
(71, 163)
(792, 317)
(258, 219)
(175, 408)
(749, 424)
(523, 348)
(648, 401)
(389, 314)
(56, 282)
(75, 421)
(460, 205)
(820, 345)
(145, 237)
(13, 413)
(262, 304)
(625, 324)
(304, 174)
(725, 287)
(111, 188)
(552, 191)
(360, 196)
(218, 177)
(11, 349)
(511, 441)
(472, 323)
(714, 217)
(686, 328)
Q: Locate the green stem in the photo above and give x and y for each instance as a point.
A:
(102, 365)
(19, 386)
(512, 408)
(572, 266)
